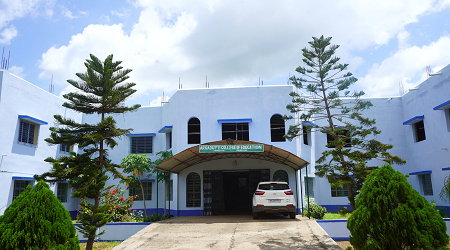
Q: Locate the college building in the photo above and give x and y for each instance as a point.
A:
(224, 141)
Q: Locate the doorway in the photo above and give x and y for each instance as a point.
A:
(230, 192)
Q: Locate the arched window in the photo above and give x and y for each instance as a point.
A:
(194, 131)
(277, 129)
(193, 190)
(280, 175)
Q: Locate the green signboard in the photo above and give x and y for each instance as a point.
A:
(231, 148)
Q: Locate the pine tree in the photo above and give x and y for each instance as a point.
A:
(102, 90)
(390, 214)
(36, 219)
(352, 137)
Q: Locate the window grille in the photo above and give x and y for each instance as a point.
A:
(309, 187)
(136, 190)
(339, 191)
(281, 175)
(194, 131)
(19, 187)
(61, 191)
(193, 190)
(427, 187)
(277, 129)
(26, 132)
(142, 145)
(235, 131)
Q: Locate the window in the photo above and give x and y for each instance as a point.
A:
(193, 190)
(235, 131)
(306, 135)
(194, 131)
(28, 132)
(136, 190)
(425, 181)
(169, 140)
(277, 130)
(419, 131)
(309, 187)
(65, 148)
(280, 175)
(169, 192)
(61, 191)
(19, 187)
(141, 144)
(340, 133)
(339, 191)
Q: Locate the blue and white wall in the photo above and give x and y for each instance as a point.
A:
(20, 99)
(430, 100)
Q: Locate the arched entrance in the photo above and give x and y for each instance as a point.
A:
(225, 190)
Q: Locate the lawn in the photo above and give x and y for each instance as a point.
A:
(335, 216)
(102, 245)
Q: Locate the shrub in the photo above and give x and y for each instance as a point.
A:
(118, 208)
(36, 219)
(343, 211)
(156, 217)
(317, 211)
(390, 214)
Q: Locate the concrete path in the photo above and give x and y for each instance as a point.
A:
(231, 232)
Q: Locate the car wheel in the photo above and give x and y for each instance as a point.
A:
(292, 215)
(255, 215)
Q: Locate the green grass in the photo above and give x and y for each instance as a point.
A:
(102, 245)
(335, 216)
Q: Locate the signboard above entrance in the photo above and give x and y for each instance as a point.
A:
(231, 148)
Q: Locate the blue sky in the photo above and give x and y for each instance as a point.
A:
(233, 42)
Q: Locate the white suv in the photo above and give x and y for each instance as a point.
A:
(273, 197)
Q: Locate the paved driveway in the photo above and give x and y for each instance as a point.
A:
(231, 232)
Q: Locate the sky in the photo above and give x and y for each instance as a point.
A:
(231, 42)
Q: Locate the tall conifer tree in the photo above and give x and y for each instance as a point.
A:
(101, 90)
(352, 137)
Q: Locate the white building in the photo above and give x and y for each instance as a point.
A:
(417, 124)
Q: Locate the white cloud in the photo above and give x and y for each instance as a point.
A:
(157, 101)
(69, 14)
(403, 37)
(406, 66)
(13, 9)
(18, 71)
(84, 13)
(8, 34)
(124, 13)
(233, 42)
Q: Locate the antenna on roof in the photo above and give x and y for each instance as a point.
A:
(51, 87)
(206, 82)
(401, 90)
(428, 70)
(5, 62)
(180, 86)
(262, 82)
(208, 85)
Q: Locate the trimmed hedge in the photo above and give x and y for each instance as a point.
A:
(390, 214)
(36, 219)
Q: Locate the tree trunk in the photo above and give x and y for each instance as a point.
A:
(351, 197)
(143, 195)
(91, 238)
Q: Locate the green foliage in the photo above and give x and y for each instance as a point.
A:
(136, 164)
(390, 214)
(156, 217)
(343, 211)
(36, 219)
(353, 136)
(162, 176)
(115, 207)
(317, 211)
(101, 90)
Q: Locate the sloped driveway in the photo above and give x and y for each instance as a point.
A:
(231, 232)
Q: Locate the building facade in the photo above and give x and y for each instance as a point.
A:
(417, 124)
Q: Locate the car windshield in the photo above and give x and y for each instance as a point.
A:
(273, 186)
